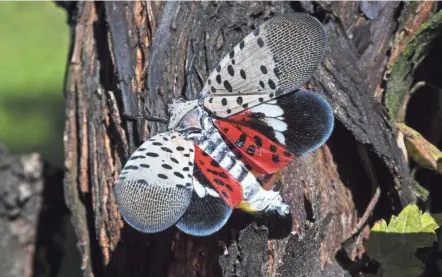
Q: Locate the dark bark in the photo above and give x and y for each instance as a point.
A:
(33, 217)
(328, 190)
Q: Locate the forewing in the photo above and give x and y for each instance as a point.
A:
(270, 135)
(277, 57)
(207, 212)
(154, 188)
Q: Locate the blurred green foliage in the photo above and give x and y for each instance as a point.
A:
(33, 56)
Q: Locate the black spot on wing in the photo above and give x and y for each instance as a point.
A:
(227, 86)
(166, 166)
(230, 70)
(258, 141)
(242, 73)
(131, 167)
(165, 149)
(179, 175)
(242, 139)
(152, 154)
(162, 176)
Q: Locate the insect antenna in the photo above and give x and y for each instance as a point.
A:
(146, 117)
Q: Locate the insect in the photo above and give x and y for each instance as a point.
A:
(251, 120)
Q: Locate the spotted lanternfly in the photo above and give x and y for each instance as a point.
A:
(251, 120)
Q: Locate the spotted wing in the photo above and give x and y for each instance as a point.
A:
(228, 188)
(154, 188)
(216, 193)
(207, 212)
(270, 135)
(277, 57)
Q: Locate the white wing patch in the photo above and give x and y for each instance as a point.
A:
(277, 57)
(155, 186)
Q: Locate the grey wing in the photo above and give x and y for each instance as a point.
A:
(155, 186)
(276, 58)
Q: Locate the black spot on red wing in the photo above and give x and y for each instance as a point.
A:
(179, 175)
(144, 165)
(166, 166)
(272, 84)
(225, 194)
(242, 139)
(249, 167)
(258, 141)
(260, 42)
(227, 86)
(275, 158)
(162, 176)
(242, 73)
(218, 182)
(251, 150)
(272, 148)
(287, 154)
(261, 83)
(151, 154)
(174, 160)
(229, 187)
(218, 79)
(165, 149)
(201, 162)
(239, 100)
(218, 68)
(230, 70)
(263, 69)
(226, 130)
(157, 143)
(224, 101)
(222, 174)
(241, 44)
(214, 163)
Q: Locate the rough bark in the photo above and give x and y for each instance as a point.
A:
(126, 57)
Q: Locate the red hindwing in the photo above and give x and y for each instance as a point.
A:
(228, 188)
(263, 155)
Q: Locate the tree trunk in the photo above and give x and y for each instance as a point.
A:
(126, 57)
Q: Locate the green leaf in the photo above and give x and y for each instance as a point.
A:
(394, 245)
(421, 150)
